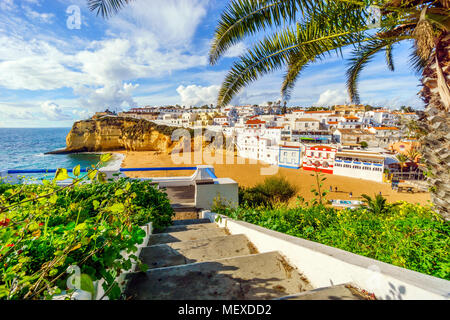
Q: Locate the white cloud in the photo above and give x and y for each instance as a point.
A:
(194, 95)
(21, 115)
(113, 97)
(236, 50)
(53, 112)
(148, 39)
(7, 5)
(173, 22)
(333, 97)
(39, 17)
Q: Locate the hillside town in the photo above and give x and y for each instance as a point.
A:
(349, 140)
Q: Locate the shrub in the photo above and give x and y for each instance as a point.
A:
(46, 228)
(273, 190)
(409, 236)
(364, 144)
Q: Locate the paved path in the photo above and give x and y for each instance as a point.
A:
(197, 260)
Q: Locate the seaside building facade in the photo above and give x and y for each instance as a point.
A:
(290, 155)
(359, 164)
(319, 158)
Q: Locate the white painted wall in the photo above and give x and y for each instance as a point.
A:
(371, 173)
(325, 266)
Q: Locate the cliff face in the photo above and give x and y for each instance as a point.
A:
(116, 133)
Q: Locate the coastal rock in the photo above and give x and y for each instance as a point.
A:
(119, 133)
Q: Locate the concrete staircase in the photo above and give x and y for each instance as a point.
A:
(196, 260)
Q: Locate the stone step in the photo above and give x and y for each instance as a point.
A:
(178, 253)
(189, 235)
(185, 215)
(339, 292)
(186, 227)
(188, 222)
(257, 277)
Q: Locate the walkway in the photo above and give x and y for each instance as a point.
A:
(197, 260)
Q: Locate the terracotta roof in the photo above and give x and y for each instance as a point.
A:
(333, 122)
(320, 111)
(257, 121)
(354, 118)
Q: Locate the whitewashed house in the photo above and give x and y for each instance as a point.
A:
(359, 164)
(290, 155)
(306, 124)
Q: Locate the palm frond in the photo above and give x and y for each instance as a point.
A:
(361, 57)
(246, 17)
(416, 61)
(107, 7)
(325, 31)
(389, 58)
(296, 64)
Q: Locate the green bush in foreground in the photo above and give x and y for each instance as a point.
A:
(268, 193)
(407, 235)
(44, 229)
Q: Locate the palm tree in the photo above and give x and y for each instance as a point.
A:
(402, 160)
(413, 154)
(377, 205)
(301, 32)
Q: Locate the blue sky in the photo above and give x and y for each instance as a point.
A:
(55, 68)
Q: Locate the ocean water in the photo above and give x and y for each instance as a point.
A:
(24, 149)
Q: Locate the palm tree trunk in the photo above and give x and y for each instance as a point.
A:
(436, 144)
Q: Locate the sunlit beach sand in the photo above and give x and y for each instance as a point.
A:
(249, 173)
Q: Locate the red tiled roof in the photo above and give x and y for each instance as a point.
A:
(321, 148)
(257, 121)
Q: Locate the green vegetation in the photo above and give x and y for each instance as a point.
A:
(364, 144)
(44, 229)
(272, 191)
(405, 235)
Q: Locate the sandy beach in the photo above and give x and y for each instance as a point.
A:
(250, 172)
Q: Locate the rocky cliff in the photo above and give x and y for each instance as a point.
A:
(117, 133)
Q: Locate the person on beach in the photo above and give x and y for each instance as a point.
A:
(350, 194)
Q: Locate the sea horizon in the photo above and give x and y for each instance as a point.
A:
(26, 148)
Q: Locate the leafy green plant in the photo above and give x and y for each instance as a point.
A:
(377, 205)
(45, 228)
(273, 190)
(364, 144)
(317, 190)
(406, 235)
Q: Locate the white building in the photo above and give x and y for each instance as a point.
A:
(306, 124)
(290, 155)
(359, 164)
